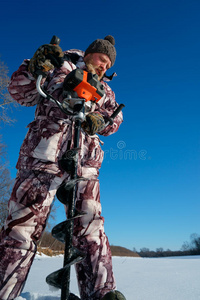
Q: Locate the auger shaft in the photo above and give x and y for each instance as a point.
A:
(70, 215)
(67, 195)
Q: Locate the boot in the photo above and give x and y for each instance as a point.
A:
(113, 295)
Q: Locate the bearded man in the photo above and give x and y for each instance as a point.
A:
(39, 174)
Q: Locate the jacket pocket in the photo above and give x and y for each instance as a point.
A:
(91, 152)
(44, 139)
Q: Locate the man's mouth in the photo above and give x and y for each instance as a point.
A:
(98, 72)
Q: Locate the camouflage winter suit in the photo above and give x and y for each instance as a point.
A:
(39, 176)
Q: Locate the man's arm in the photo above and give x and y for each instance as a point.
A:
(106, 110)
(22, 86)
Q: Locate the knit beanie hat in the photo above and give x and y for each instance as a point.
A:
(105, 46)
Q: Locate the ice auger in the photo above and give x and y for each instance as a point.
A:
(87, 88)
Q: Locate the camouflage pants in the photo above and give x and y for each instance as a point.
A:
(29, 207)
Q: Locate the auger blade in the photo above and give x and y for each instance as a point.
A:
(66, 187)
(56, 278)
(69, 158)
(59, 231)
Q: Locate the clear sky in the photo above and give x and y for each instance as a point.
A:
(150, 177)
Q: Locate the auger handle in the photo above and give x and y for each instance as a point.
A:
(111, 118)
(117, 111)
(38, 86)
(55, 40)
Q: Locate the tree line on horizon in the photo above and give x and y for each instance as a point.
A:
(188, 248)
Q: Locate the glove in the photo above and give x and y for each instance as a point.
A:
(46, 58)
(93, 123)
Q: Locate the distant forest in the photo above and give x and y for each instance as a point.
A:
(188, 248)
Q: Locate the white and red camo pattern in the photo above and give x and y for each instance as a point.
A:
(38, 179)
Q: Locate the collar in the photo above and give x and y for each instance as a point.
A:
(80, 63)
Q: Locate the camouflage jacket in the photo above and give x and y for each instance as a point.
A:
(51, 132)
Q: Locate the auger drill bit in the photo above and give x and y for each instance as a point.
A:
(66, 194)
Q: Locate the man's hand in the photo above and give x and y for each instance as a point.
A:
(94, 123)
(46, 58)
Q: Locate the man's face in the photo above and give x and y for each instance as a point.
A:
(97, 63)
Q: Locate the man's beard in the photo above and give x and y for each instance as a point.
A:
(94, 69)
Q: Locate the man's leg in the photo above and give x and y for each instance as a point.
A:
(29, 207)
(95, 275)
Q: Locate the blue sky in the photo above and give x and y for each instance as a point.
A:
(150, 177)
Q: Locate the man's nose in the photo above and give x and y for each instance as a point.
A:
(103, 67)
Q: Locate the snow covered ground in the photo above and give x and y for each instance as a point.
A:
(175, 278)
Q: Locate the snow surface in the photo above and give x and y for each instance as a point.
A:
(174, 278)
